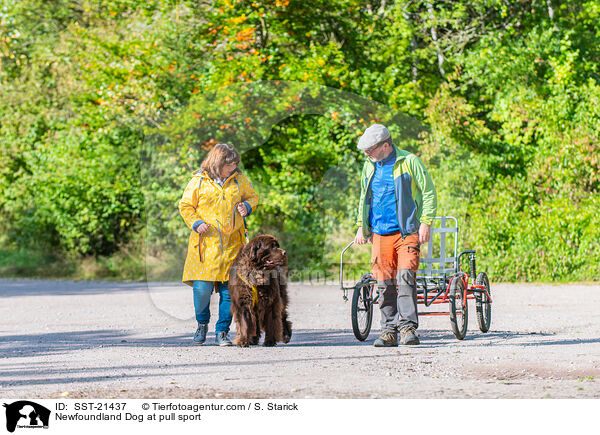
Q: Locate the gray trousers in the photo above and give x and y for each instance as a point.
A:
(398, 301)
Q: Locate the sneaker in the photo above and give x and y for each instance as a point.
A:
(200, 335)
(222, 339)
(387, 339)
(408, 335)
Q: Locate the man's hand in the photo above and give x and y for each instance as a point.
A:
(241, 208)
(202, 228)
(359, 239)
(424, 233)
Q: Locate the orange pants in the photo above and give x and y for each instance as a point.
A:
(392, 253)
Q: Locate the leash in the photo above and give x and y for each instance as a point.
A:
(199, 246)
(254, 290)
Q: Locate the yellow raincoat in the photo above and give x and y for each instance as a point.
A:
(210, 255)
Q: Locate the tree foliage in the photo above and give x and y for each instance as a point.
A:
(106, 111)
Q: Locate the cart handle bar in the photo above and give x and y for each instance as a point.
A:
(342, 265)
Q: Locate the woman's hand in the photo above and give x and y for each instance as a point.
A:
(202, 228)
(241, 208)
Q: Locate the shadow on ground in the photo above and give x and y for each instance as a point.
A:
(25, 345)
(34, 287)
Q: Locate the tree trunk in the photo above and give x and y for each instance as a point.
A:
(434, 37)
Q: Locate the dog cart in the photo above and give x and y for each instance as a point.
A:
(440, 280)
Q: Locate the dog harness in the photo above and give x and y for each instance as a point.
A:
(254, 290)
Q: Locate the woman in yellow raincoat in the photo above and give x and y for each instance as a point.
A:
(214, 206)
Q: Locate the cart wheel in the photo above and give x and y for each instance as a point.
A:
(362, 310)
(483, 304)
(458, 313)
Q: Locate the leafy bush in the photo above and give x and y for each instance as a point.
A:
(108, 107)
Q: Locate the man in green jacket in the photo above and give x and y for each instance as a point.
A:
(398, 202)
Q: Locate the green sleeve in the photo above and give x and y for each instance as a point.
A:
(428, 193)
(359, 220)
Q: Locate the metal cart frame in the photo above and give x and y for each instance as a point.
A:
(440, 280)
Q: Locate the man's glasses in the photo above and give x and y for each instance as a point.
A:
(372, 149)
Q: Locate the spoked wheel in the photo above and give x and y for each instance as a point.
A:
(362, 310)
(483, 304)
(458, 313)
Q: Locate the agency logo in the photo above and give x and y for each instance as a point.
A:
(26, 414)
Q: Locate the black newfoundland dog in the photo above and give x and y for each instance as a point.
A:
(258, 289)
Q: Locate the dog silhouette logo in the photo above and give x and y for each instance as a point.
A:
(26, 414)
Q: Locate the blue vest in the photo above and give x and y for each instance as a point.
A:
(382, 216)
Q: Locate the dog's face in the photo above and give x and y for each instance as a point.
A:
(265, 253)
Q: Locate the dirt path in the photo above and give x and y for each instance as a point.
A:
(105, 340)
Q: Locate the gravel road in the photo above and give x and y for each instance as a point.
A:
(133, 340)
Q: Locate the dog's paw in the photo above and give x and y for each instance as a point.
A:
(241, 342)
(254, 340)
(287, 332)
(269, 342)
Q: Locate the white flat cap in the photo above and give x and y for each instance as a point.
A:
(372, 136)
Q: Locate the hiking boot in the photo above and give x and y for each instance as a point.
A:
(200, 335)
(387, 339)
(222, 339)
(408, 335)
